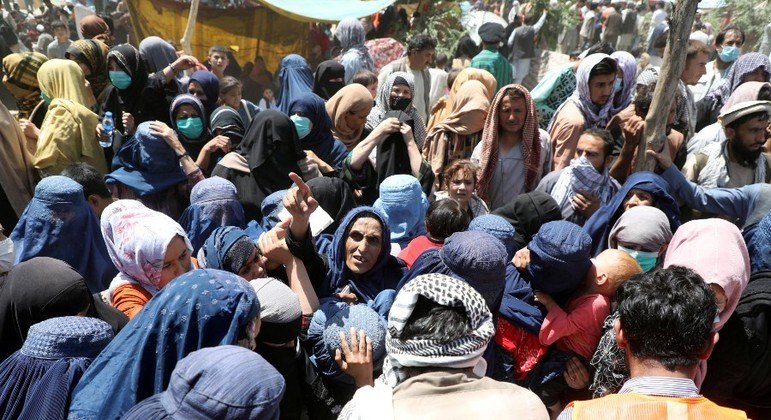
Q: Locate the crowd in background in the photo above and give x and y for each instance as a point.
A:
(378, 230)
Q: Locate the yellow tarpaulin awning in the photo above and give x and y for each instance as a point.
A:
(248, 31)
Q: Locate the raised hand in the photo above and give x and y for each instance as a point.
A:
(299, 202)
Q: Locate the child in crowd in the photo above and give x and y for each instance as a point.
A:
(367, 79)
(577, 328)
(268, 100)
(230, 95)
(443, 218)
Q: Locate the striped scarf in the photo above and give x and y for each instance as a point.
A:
(581, 177)
(462, 352)
(531, 144)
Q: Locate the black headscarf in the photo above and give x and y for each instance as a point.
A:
(128, 60)
(325, 72)
(39, 289)
(335, 197)
(228, 120)
(739, 373)
(527, 213)
(271, 148)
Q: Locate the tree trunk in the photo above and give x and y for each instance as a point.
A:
(186, 41)
(654, 135)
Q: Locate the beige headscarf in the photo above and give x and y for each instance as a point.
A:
(17, 177)
(469, 111)
(68, 133)
(352, 98)
(445, 105)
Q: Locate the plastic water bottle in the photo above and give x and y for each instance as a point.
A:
(109, 127)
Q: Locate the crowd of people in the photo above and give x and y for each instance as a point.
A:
(386, 236)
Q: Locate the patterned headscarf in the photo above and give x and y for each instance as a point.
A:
(462, 352)
(383, 106)
(20, 77)
(582, 98)
(129, 60)
(92, 53)
(628, 65)
(531, 143)
(136, 239)
(745, 64)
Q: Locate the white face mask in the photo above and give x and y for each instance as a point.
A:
(7, 255)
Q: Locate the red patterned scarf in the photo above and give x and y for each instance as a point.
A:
(531, 144)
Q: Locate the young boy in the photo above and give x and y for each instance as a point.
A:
(58, 48)
(367, 79)
(230, 95)
(577, 328)
(218, 60)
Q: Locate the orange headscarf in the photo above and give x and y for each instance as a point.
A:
(445, 105)
(469, 111)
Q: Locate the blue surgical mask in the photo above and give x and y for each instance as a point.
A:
(729, 54)
(120, 79)
(191, 128)
(618, 85)
(647, 260)
(45, 98)
(302, 124)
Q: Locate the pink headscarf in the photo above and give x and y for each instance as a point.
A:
(136, 239)
(715, 249)
(747, 91)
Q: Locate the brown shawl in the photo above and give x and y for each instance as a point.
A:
(352, 98)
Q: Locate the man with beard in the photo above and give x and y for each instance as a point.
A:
(585, 185)
(739, 160)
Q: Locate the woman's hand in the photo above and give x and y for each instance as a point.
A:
(407, 135)
(129, 125)
(386, 127)
(218, 143)
(356, 359)
(184, 62)
(29, 129)
(299, 202)
(160, 129)
(521, 259)
(273, 246)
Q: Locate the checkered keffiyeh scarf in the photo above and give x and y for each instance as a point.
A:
(20, 76)
(581, 177)
(531, 143)
(463, 352)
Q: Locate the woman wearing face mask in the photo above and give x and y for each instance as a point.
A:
(259, 166)
(640, 189)
(190, 121)
(128, 74)
(68, 133)
(314, 127)
(328, 79)
(148, 248)
(394, 136)
(202, 308)
(644, 233)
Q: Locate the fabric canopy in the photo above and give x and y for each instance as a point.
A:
(330, 11)
(249, 32)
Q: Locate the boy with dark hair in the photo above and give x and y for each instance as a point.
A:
(218, 60)
(443, 218)
(665, 327)
(58, 48)
(489, 58)
(94, 189)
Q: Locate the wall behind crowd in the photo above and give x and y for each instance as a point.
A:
(252, 31)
